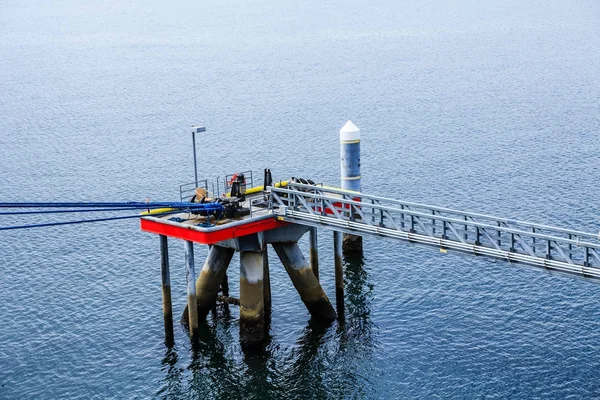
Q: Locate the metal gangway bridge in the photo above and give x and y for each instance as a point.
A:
(548, 247)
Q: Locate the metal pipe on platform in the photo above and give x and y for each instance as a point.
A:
(339, 273)
(314, 252)
(252, 297)
(166, 291)
(350, 174)
(190, 275)
(305, 281)
(210, 278)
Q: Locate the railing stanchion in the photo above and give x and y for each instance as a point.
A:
(373, 212)
(570, 245)
(402, 217)
(499, 234)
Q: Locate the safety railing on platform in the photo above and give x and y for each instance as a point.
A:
(541, 245)
(228, 180)
(188, 190)
(216, 187)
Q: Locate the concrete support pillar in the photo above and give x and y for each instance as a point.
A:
(252, 297)
(339, 273)
(314, 252)
(352, 243)
(305, 281)
(166, 291)
(266, 281)
(190, 275)
(350, 174)
(211, 276)
(225, 285)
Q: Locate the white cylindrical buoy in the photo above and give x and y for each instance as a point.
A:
(350, 174)
(350, 156)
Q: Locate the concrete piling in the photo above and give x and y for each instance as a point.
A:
(314, 252)
(166, 291)
(305, 281)
(225, 285)
(339, 273)
(350, 174)
(210, 278)
(190, 275)
(252, 297)
(266, 281)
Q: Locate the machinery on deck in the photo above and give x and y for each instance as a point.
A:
(237, 199)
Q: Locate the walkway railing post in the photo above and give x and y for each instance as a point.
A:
(166, 291)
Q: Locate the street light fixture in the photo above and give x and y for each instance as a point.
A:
(196, 129)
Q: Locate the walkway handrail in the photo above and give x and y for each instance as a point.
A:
(444, 209)
(440, 218)
(360, 213)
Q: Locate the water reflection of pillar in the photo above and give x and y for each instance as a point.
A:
(172, 382)
(359, 292)
(309, 363)
(260, 376)
(212, 368)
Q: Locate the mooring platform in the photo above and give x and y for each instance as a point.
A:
(259, 217)
(211, 230)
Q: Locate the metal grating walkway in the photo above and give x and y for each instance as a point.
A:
(511, 240)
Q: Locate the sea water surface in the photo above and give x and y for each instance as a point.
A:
(486, 106)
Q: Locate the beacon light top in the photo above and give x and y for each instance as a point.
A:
(198, 129)
(349, 132)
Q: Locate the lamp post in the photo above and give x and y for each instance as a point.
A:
(196, 129)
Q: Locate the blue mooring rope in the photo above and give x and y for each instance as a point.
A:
(131, 204)
(208, 208)
(66, 211)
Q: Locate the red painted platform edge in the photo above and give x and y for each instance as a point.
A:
(213, 237)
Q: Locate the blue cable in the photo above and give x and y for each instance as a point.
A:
(66, 211)
(180, 207)
(131, 204)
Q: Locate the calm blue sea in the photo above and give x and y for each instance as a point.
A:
(481, 105)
